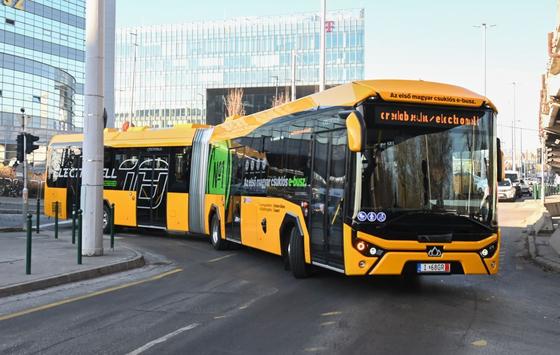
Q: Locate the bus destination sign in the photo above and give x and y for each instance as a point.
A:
(424, 116)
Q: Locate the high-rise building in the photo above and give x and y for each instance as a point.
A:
(182, 73)
(42, 55)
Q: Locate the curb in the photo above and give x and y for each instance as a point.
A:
(11, 229)
(136, 262)
(543, 262)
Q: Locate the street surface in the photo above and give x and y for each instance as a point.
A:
(243, 302)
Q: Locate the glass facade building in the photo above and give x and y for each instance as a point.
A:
(164, 74)
(42, 69)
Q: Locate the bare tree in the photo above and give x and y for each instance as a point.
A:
(281, 99)
(234, 103)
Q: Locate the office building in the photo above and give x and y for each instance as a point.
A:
(42, 54)
(172, 74)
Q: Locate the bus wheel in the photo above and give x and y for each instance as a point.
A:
(106, 227)
(215, 236)
(296, 255)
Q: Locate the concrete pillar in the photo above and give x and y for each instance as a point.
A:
(92, 154)
(109, 73)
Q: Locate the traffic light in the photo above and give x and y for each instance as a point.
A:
(20, 154)
(29, 143)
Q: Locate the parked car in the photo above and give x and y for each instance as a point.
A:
(506, 190)
(524, 188)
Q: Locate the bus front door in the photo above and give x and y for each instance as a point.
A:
(327, 186)
(153, 177)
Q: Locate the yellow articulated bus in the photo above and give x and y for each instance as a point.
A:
(368, 178)
(146, 176)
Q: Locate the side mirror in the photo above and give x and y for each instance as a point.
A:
(356, 128)
(500, 161)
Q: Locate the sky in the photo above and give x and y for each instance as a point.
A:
(432, 40)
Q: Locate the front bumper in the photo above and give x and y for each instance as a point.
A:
(401, 257)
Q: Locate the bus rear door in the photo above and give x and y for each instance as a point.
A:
(153, 177)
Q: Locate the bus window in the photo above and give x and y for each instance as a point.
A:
(181, 170)
(55, 167)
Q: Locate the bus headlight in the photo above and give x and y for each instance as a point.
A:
(367, 249)
(489, 251)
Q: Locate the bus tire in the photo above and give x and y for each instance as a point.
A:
(296, 255)
(106, 226)
(215, 234)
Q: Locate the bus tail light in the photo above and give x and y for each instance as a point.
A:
(367, 249)
(489, 251)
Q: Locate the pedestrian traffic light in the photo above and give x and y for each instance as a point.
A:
(20, 154)
(29, 143)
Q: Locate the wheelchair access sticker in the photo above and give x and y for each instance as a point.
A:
(372, 216)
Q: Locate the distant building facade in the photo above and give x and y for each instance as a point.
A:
(172, 74)
(42, 55)
(549, 120)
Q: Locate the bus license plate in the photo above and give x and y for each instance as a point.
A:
(433, 267)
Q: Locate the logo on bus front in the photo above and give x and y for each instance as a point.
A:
(364, 216)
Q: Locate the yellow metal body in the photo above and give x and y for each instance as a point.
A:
(178, 211)
(53, 195)
(125, 206)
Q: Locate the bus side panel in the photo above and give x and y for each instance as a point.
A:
(178, 211)
(273, 210)
(352, 257)
(214, 201)
(52, 195)
(125, 206)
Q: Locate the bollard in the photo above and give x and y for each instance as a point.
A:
(112, 225)
(56, 220)
(73, 223)
(38, 214)
(79, 237)
(28, 251)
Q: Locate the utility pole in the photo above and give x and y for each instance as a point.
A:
(323, 46)
(25, 192)
(109, 73)
(513, 134)
(484, 27)
(294, 59)
(92, 161)
(135, 34)
(275, 77)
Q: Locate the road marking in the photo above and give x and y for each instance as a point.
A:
(480, 343)
(163, 339)
(220, 258)
(52, 224)
(328, 314)
(89, 295)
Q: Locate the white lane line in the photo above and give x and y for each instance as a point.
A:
(220, 258)
(163, 339)
(61, 223)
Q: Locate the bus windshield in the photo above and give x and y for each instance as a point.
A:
(430, 171)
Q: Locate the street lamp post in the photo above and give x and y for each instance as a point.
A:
(135, 44)
(323, 46)
(484, 27)
(201, 105)
(513, 128)
(275, 77)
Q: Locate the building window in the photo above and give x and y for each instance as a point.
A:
(9, 21)
(37, 99)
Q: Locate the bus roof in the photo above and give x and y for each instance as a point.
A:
(181, 135)
(349, 95)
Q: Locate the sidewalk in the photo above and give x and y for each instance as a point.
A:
(544, 248)
(11, 218)
(54, 262)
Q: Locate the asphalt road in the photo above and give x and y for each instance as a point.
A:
(243, 302)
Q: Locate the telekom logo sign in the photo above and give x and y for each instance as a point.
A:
(329, 26)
